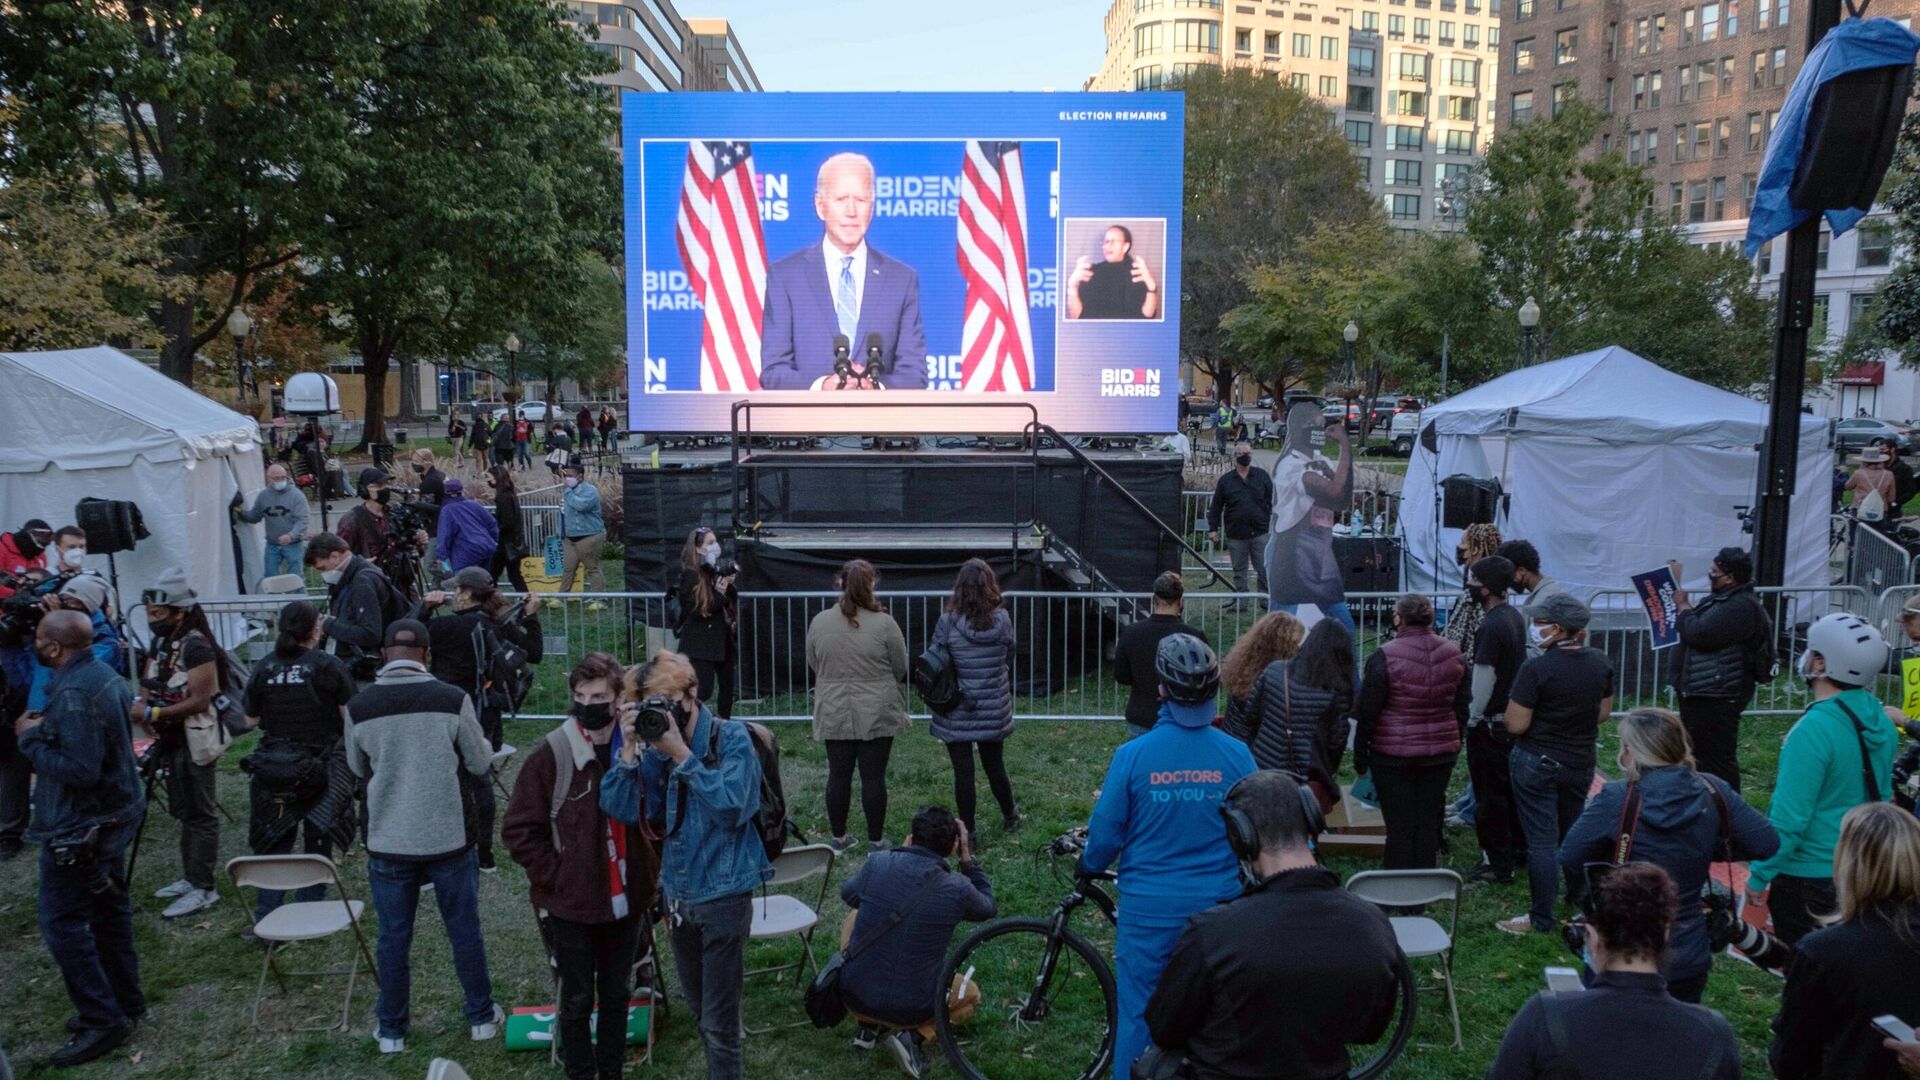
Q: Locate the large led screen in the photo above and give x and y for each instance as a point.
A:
(909, 249)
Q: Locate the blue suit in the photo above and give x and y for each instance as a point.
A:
(798, 324)
(1159, 812)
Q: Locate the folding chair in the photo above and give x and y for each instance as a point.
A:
(282, 584)
(497, 764)
(303, 920)
(1418, 935)
(442, 1069)
(777, 915)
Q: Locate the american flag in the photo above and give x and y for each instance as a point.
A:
(996, 341)
(725, 256)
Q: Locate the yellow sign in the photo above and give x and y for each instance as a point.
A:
(534, 569)
(1910, 686)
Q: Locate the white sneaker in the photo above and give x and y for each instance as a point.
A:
(490, 1029)
(191, 901)
(178, 888)
(391, 1046)
(596, 605)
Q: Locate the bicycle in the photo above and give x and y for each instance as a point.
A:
(1042, 1001)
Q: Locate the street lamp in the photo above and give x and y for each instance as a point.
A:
(1529, 331)
(239, 325)
(512, 345)
(1348, 336)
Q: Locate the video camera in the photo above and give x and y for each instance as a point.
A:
(20, 613)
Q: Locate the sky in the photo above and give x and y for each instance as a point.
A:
(915, 44)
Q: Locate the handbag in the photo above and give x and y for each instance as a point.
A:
(206, 736)
(825, 1004)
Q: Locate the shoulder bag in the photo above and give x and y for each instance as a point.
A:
(1867, 779)
(825, 1004)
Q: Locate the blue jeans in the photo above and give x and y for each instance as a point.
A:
(90, 935)
(396, 898)
(523, 454)
(1143, 943)
(283, 559)
(709, 954)
(1547, 797)
(1337, 612)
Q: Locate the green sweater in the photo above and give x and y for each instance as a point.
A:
(1820, 780)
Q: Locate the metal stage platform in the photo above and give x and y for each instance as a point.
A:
(899, 538)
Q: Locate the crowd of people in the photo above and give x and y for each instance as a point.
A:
(645, 811)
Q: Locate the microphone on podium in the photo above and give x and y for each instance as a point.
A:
(876, 360)
(842, 362)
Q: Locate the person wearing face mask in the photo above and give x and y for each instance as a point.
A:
(1476, 542)
(698, 785)
(366, 528)
(1499, 648)
(283, 511)
(69, 552)
(1838, 755)
(360, 603)
(512, 546)
(468, 536)
(708, 614)
(1678, 820)
(1726, 647)
(21, 553)
(86, 594)
(89, 798)
(591, 878)
(584, 532)
(1554, 712)
(1243, 502)
(23, 550)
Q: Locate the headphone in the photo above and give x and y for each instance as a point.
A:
(1244, 839)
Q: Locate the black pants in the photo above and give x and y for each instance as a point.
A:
(595, 962)
(1713, 724)
(1798, 903)
(993, 760)
(716, 686)
(501, 561)
(871, 754)
(1493, 819)
(1413, 796)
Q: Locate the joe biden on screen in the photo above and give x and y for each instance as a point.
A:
(841, 286)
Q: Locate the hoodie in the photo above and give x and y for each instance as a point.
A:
(284, 513)
(1679, 831)
(1820, 779)
(1159, 814)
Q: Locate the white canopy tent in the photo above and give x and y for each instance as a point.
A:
(1611, 465)
(97, 422)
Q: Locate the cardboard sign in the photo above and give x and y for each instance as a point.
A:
(1655, 588)
(556, 558)
(530, 1027)
(1910, 686)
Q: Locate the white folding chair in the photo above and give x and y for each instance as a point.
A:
(778, 915)
(281, 584)
(304, 920)
(497, 764)
(1418, 935)
(442, 1069)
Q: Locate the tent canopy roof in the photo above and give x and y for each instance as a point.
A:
(99, 408)
(1608, 395)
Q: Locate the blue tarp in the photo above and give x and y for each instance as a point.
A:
(1852, 46)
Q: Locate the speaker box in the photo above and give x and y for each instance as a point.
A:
(1468, 500)
(111, 525)
(1368, 564)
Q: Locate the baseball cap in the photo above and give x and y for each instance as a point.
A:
(471, 578)
(371, 475)
(1562, 610)
(89, 589)
(406, 634)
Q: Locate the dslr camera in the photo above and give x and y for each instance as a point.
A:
(1725, 927)
(80, 851)
(20, 613)
(652, 717)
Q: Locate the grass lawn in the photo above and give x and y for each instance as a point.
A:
(200, 976)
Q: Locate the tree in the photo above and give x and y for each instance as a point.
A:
(1898, 300)
(74, 275)
(577, 335)
(1265, 165)
(1288, 332)
(480, 190)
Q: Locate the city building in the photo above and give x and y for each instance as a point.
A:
(649, 41)
(1412, 82)
(722, 61)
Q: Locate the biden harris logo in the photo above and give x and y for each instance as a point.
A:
(1129, 382)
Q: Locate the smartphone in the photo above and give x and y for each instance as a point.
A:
(1566, 979)
(1893, 1027)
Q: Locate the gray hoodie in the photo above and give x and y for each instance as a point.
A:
(285, 513)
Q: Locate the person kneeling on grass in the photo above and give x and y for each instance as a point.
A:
(905, 905)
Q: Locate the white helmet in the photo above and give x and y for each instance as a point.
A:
(1853, 650)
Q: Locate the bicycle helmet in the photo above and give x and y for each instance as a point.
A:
(1853, 650)
(1188, 669)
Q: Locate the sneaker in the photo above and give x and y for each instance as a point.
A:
(96, 1043)
(490, 1029)
(191, 902)
(1012, 822)
(874, 847)
(1519, 925)
(395, 1045)
(426, 887)
(865, 1036)
(906, 1050)
(487, 865)
(177, 889)
(841, 844)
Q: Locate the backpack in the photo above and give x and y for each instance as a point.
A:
(770, 820)
(934, 678)
(1873, 507)
(502, 675)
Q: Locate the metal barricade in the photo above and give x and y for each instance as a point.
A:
(1875, 561)
(540, 515)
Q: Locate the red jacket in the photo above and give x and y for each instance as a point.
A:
(1411, 696)
(12, 561)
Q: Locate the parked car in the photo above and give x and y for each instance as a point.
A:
(535, 411)
(1850, 436)
(1404, 431)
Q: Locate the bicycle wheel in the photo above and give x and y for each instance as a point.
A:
(1379, 1055)
(1047, 1005)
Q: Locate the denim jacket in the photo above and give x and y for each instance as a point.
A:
(580, 511)
(714, 852)
(83, 753)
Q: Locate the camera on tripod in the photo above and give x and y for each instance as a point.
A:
(20, 613)
(653, 715)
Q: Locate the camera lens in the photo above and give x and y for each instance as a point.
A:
(652, 718)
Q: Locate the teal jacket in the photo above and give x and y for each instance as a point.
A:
(1820, 779)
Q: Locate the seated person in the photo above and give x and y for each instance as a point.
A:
(1281, 980)
(1625, 1023)
(905, 905)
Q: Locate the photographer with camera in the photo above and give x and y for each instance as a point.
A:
(486, 642)
(709, 612)
(180, 679)
(1837, 756)
(1279, 981)
(87, 808)
(1860, 967)
(1625, 1023)
(360, 603)
(698, 784)
(1680, 820)
(369, 529)
(297, 698)
(86, 594)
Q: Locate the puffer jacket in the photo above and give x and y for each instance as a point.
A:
(1293, 726)
(1719, 640)
(983, 665)
(859, 675)
(1411, 702)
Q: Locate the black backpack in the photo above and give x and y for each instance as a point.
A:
(500, 668)
(770, 820)
(934, 678)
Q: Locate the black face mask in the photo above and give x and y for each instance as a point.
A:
(383, 496)
(49, 658)
(593, 717)
(1243, 459)
(24, 540)
(163, 627)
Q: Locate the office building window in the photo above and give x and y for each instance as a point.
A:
(1709, 22)
(1704, 80)
(1359, 134)
(1760, 70)
(1719, 199)
(1522, 106)
(1272, 43)
(1820, 253)
(1613, 41)
(1523, 56)
(1876, 244)
(1782, 12)
(1298, 80)
(1422, 31)
(1403, 173)
(1749, 184)
(1659, 32)
(1822, 312)
(1196, 35)
(1857, 307)
(1653, 89)
(1763, 260)
(1472, 38)
(1405, 137)
(1409, 103)
(1642, 36)
(1653, 145)
(1458, 143)
(1446, 32)
(1145, 5)
(1303, 45)
(1360, 60)
(1702, 140)
(1148, 39)
(1214, 4)
(1147, 78)
(1403, 207)
(1329, 48)
(1733, 17)
(1566, 47)
(1396, 28)
(1683, 89)
(1413, 67)
(1633, 148)
(1722, 136)
(1329, 86)
(1360, 98)
(1564, 93)
(1458, 108)
(1765, 12)
(1606, 100)
(1676, 201)
(1780, 65)
(1243, 42)
(1696, 202)
(1522, 9)
(1449, 173)
(1370, 22)
(1726, 75)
